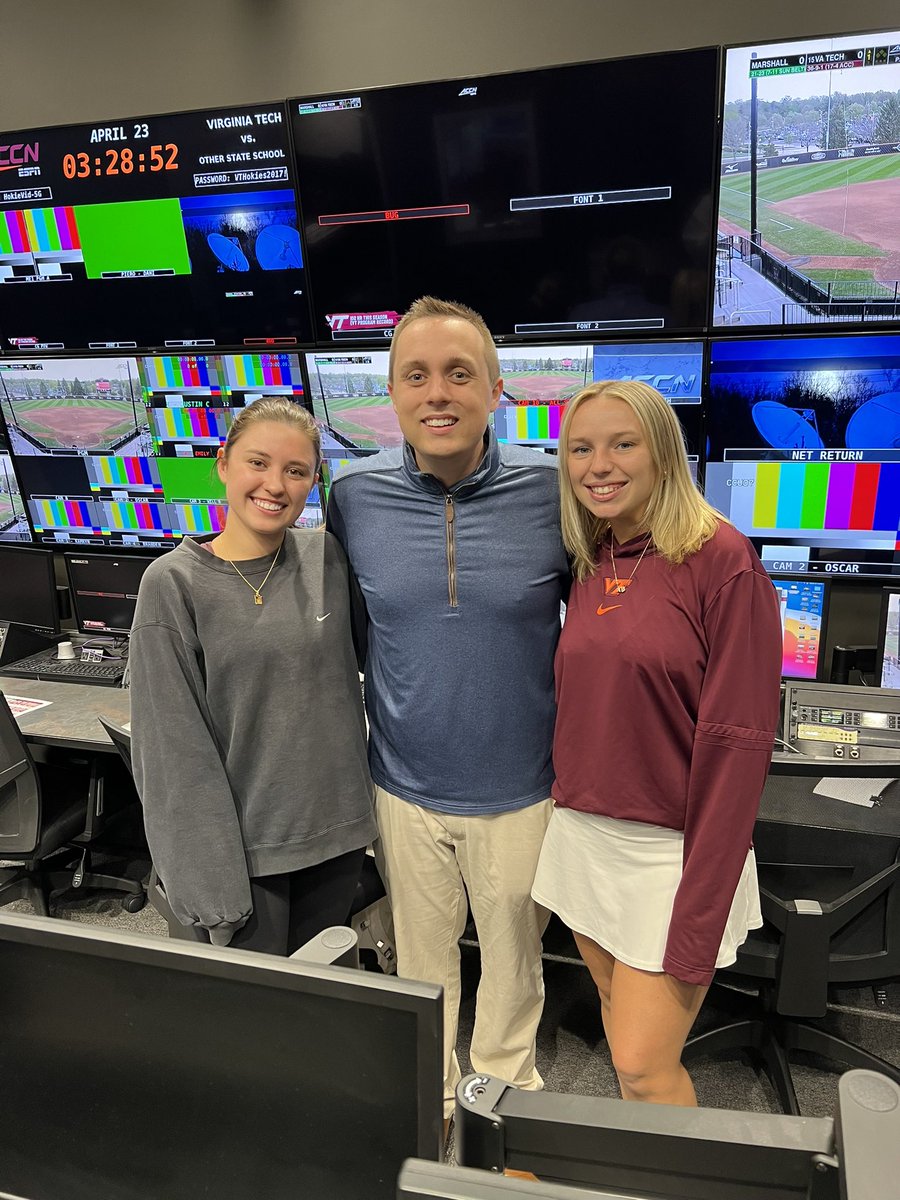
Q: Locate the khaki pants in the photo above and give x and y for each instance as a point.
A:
(429, 861)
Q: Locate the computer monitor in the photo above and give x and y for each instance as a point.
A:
(804, 617)
(808, 223)
(143, 1068)
(104, 590)
(802, 437)
(120, 451)
(175, 231)
(887, 662)
(349, 397)
(538, 382)
(510, 207)
(28, 589)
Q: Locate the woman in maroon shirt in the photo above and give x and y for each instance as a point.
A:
(667, 678)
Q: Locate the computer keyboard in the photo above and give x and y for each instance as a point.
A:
(101, 674)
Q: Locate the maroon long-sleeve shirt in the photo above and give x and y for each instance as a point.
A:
(668, 701)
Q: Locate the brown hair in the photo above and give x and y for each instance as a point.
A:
(430, 306)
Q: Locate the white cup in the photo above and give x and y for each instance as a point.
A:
(65, 650)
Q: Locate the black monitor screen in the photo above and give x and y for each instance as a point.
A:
(104, 590)
(804, 450)
(198, 1072)
(804, 613)
(568, 200)
(175, 231)
(809, 190)
(120, 451)
(28, 588)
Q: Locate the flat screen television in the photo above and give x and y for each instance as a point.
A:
(803, 450)
(149, 1068)
(809, 183)
(568, 201)
(28, 589)
(120, 451)
(538, 381)
(175, 232)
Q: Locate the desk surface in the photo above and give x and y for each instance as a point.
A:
(70, 718)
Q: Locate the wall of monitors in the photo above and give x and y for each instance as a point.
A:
(121, 451)
(809, 187)
(177, 231)
(568, 201)
(803, 450)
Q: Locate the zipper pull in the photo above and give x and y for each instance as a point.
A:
(450, 513)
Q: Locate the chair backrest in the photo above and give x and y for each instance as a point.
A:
(20, 790)
(120, 738)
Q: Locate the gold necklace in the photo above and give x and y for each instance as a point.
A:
(619, 585)
(257, 598)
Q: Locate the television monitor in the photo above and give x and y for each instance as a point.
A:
(28, 589)
(120, 451)
(804, 619)
(501, 191)
(803, 450)
(538, 381)
(349, 397)
(177, 231)
(809, 183)
(104, 590)
(887, 663)
(199, 1071)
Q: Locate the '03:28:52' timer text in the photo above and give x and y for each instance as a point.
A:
(121, 162)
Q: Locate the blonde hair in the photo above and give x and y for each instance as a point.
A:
(430, 306)
(275, 408)
(677, 517)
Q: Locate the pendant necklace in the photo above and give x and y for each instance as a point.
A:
(257, 591)
(619, 585)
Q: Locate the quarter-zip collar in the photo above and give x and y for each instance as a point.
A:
(483, 473)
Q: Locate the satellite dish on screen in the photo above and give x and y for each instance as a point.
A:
(875, 423)
(784, 428)
(278, 247)
(228, 251)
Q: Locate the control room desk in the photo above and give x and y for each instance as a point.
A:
(70, 719)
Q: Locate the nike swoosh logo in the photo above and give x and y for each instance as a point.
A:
(605, 608)
(328, 614)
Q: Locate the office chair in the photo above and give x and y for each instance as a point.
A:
(44, 809)
(370, 915)
(829, 876)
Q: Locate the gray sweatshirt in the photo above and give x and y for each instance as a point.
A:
(247, 725)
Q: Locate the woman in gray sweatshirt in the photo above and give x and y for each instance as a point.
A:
(247, 725)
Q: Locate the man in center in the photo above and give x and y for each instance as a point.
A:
(455, 542)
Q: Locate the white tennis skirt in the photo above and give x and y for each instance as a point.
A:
(615, 882)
